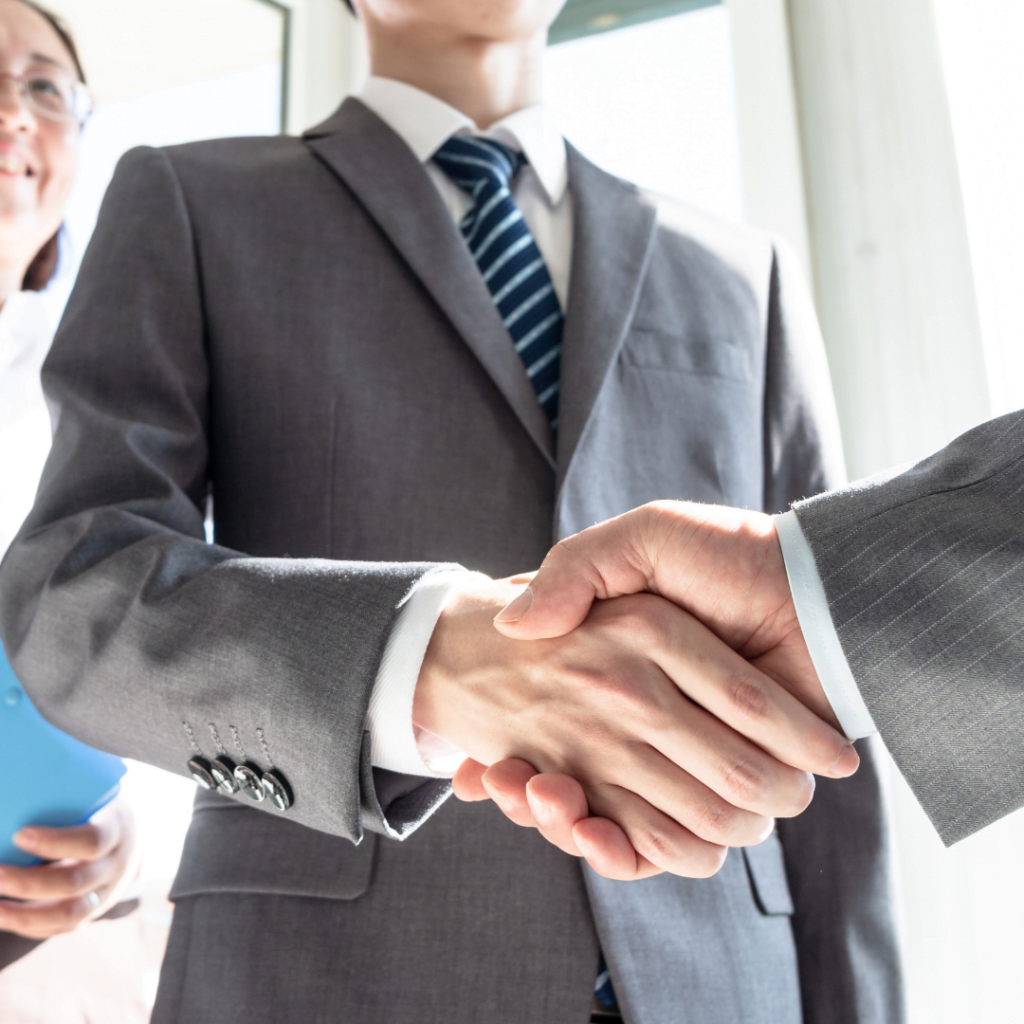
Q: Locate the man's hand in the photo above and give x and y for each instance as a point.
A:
(723, 565)
(88, 864)
(658, 724)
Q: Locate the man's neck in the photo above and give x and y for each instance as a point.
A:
(486, 81)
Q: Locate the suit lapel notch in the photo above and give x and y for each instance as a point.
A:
(385, 176)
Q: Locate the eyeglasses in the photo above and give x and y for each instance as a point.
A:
(53, 94)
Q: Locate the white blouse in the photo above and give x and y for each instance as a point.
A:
(26, 331)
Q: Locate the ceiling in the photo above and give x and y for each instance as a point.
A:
(131, 47)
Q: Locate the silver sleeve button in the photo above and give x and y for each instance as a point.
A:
(199, 769)
(250, 783)
(277, 790)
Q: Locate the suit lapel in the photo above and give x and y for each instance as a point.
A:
(612, 240)
(392, 185)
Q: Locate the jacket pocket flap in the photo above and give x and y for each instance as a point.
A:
(766, 865)
(702, 355)
(237, 849)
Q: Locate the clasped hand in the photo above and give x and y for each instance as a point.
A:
(645, 699)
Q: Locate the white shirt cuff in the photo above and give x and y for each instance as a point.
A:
(395, 744)
(819, 633)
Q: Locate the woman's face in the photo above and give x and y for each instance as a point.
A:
(38, 154)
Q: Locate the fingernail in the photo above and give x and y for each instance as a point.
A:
(542, 812)
(845, 764)
(27, 839)
(585, 848)
(516, 609)
(503, 801)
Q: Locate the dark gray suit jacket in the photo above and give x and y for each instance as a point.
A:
(924, 574)
(297, 327)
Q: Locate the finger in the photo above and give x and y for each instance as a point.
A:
(601, 562)
(658, 839)
(80, 842)
(608, 851)
(467, 783)
(505, 782)
(63, 880)
(557, 803)
(43, 920)
(732, 690)
(679, 796)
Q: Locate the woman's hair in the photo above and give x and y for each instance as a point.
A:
(42, 268)
(63, 33)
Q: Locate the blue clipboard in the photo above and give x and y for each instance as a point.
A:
(46, 776)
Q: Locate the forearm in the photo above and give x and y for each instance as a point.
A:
(923, 573)
(167, 648)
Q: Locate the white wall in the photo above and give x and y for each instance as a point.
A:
(771, 164)
(981, 47)
(655, 104)
(892, 267)
(895, 284)
(133, 47)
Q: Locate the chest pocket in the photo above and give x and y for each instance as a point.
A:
(704, 354)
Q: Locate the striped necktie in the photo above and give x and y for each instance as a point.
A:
(509, 259)
(519, 282)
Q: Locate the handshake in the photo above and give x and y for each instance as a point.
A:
(647, 701)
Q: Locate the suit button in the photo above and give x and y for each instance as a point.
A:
(222, 770)
(199, 769)
(277, 790)
(250, 783)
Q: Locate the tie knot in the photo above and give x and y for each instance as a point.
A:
(473, 163)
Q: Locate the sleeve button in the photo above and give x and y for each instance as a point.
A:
(277, 790)
(199, 769)
(250, 783)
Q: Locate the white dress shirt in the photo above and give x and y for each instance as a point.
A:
(819, 632)
(541, 191)
(26, 331)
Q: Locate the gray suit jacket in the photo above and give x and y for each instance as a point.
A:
(295, 327)
(924, 574)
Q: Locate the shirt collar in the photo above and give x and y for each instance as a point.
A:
(425, 123)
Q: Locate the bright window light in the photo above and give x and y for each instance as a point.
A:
(981, 48)
(655, 104)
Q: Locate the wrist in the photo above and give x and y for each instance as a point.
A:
(459, 645)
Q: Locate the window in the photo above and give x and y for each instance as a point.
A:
(655, 104)
(587, 17)
(985, 80)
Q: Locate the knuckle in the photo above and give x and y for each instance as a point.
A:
(748, 697)
(716, 821)
(658, 845)
(90, 844)
(745, 783)
(73, 881)
(615, 690)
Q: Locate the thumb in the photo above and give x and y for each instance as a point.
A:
(601, 562)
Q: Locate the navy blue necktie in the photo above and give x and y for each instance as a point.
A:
(509, 259)
(519, 282)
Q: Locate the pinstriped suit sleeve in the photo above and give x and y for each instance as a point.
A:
(924, 575)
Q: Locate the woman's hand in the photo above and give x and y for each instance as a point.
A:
(88, 864)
